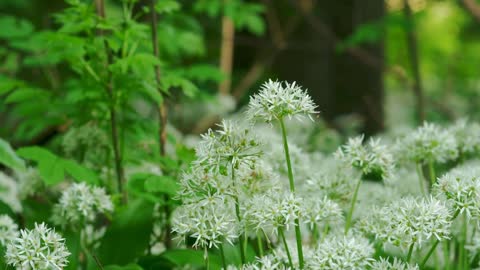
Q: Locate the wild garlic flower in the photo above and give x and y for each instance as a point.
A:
(409, 221)
(466, 135)
(257, 179)
(8, 229)
(373, 159)
(428, 143)
(38, 249)
(396, 264)
(320, 212)
(87, 143)
(210, 222)
(29, 182)
(342, 252)
(229, 146)
(277, 100)
(9, 192)
(268, 262)
(80, 204)
(267, 212)
(460, 188)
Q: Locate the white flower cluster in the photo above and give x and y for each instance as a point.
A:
(271, 211)
(429, 143)
(277, 100)
(466, 134)
(228, 146)
(345, 252)
(8, 229)
(409, 221)
(38, 249)
(268, 262)
(372, 159)
(460, 188)
(80, 204)
(29, 182)
(396, 264)
(9, 193)
(210, 221)
(321, 212)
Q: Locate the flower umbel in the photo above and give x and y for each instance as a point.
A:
(38, 249)
(277, 100)
(8, 229)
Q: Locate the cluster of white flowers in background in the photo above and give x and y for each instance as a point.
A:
(9, 193)
(372, 158)
(37, 249)
(396, 264)
(466, 135)
(428, 143)
(409, 221)
(8, 229)
(81, 204)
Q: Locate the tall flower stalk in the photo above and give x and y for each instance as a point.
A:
(275, 101)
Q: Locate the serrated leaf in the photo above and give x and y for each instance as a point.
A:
(9, 158)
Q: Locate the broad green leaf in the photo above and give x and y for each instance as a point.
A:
(9, 158)
(182, 257)
(162, 184)
(24, 94)
(13, 28)
(126, 267)
(49, 165)
(128, 236)
(79, 173)
(136, 187)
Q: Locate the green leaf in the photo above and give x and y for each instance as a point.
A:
(167, 6)
(192, 257)
(80, 173)
(126, 267)
(13, 28)
(9, 158)
(128, 236)
(24, 94)
(136, 186)
(7, 84)
(49, 165)
(161, 183)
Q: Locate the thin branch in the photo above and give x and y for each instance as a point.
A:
(471, 7)
(226, 53)
(100, 7)
(413, 54)
(162, 112)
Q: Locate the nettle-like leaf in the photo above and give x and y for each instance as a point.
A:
(246, 16)
(53, 169)
(167, 6)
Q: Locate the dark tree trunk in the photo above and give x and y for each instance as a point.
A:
(340, 82)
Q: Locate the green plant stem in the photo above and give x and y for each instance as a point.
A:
(260, 244)
(410, 251)
(298, 232)
(315, 235)
(431, 170)
(463, 258)
(287, 250)
(207, 260)
(222, 254)
(100, 8)
(430, 252)
(446, 254)
(348, 222)
(421, 178)
(239, 217)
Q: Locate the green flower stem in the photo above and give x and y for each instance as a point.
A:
(207, 259)
(287, 250)
(348, 222)
(222, 254)
(410, 251)
(298, 232)
(239, 217)
(420, 178)
(430, 252)
(431, 170)
(463, 258)
(446, 254)
(260, 244)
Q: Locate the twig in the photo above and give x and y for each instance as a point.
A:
(471, 7)
(162, 112)
(226, 53)
(413, 54)
(100, 7)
